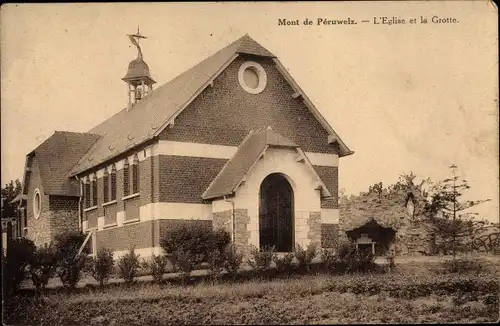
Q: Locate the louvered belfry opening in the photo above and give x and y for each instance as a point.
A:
(276, 213)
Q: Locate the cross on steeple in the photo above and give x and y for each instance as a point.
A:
(138, 35)
(135, 38)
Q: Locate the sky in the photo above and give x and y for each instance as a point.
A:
(403, 97)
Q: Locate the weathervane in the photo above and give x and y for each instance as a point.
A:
(134, 38)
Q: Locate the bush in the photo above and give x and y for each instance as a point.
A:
(69, 264)
(189, 246)
(329, 259)
(463, 265)
(305, 257)
(101, 266)
(156, 266)
(347, 259)
(128, 266)
(14, 264)
(284, 264)
(42, 267)
(261, 259)
(216, 260)
(233, 260)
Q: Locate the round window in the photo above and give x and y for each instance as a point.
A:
(37, 203)
(252, 77)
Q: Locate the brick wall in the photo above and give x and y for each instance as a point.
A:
(38, 229)
(131, 207)
(63, 214)
(110, 213)
(142, 235)
(183, 179)
(329, 235)
(330, 176)
(222, 220)
(91, 218)
(138, 235)
(156, 167)
(224, 114)
(146, 171)
(162, 226)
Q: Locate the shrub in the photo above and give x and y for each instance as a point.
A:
(42, 267)
(261, 259)
(18, 255)
(284, 264)
(156, 266)
(101, 266)
(329, 258)
(69, 263)
(186, 263)
(216, 260)
(362, 262)
(189, 246)
(128, 266)
(347, 259)
(233, 260)
(305, 257)
(463, 265)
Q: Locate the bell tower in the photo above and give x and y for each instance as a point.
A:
(138, 78)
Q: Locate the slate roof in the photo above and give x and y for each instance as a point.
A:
(249, 151)
(56, 156)
(147, 118)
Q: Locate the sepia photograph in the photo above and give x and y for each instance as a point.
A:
(222, 163)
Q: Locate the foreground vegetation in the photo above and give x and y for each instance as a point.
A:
(346, 287)
(408, 294)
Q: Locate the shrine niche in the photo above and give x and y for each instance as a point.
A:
(372, 237)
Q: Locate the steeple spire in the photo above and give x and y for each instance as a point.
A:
(138, 78)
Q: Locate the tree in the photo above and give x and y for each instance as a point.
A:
(69, 263)
(449, 214)
(9, 192)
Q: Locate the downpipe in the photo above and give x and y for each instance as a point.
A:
(80, 213)
(233, 233)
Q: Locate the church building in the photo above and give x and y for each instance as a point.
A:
(231, 143)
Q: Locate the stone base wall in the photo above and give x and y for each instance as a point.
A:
(314, 234)
(242, 235)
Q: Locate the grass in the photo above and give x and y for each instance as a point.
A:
(319, 298)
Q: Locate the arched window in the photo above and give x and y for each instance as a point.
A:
(86, 186)
(135, 175)
(113, 182)
(106, 186)
(126, 179)
(94, 190)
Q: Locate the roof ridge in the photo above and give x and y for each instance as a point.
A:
(74, 132)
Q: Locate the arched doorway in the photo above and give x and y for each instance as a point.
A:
(276, 213)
